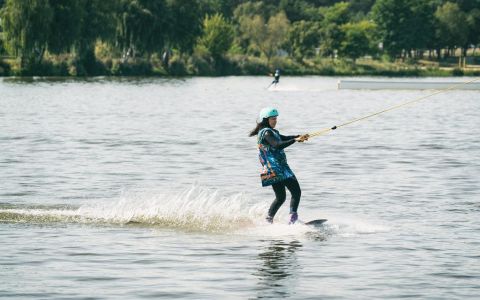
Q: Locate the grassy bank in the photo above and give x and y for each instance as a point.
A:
(197, 65)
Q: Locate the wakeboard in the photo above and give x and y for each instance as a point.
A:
(315, 223)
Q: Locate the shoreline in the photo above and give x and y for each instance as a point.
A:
(240, 66)
(345, 75)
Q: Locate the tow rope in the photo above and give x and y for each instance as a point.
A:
(326, 130)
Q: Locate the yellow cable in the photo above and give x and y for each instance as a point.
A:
(326, 130)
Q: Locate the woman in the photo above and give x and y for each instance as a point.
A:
(275, 169)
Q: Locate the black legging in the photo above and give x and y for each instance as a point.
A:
(280, 195)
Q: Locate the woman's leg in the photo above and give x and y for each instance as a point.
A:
(280, 195)
(294, 188)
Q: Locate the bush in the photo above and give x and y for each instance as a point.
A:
(457, 72)
(130, 68)
(201, 65)
(90, 67)
(4, 68)
(177, 67)
(46, 68)
(218, 35)
(227, 67)
(290, 67)
(251, 65)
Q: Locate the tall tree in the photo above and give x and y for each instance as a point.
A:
(357, 40)
(297, 10)
(278, 27)
(65, 26)
(2, 48)
(26, 25)
(156, 36)
(362, 6)
(247, 17)
(468, 5)
(394, 20)
(248, 10)
(253, 30)
(452, 25)
(303, 39)
(473, 21)
(141, 26)
(97, 23)
(270, 37)
(422, 26)
(184, 23)
(330, 32)
(217, 35)
(223, 7)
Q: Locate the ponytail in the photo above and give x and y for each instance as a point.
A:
(259, 127)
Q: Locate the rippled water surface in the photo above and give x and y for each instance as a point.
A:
(149, 189)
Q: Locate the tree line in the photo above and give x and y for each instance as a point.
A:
(216, 31)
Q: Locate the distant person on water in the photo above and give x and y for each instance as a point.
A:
(275, 169)
(276, 77)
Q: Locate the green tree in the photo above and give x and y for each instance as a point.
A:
(472, 10)
(252, 32)
(65, 26)
(362, 6)
(299, 10)
(223, 7)
(97, 23)
(357, 39)
(249, 17)
(395, 21)
(473, 22)
(468, 5)
(268, 37)
(217, 35)
(422, 26)
(303, 39)
(338, 13)
(184, 24)
(250, 9)
(2, 49)
(26, 25)
(331, 34)
(277, 26)
(452, 25)
(406, 27)
(141, 27)
(155, 37)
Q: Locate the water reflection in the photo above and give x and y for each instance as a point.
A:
(277, 273)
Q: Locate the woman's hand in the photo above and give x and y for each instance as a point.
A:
(302, 138)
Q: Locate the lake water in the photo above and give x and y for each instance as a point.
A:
(149, 189)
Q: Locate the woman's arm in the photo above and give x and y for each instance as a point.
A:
(288, 137)
(269, 138)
